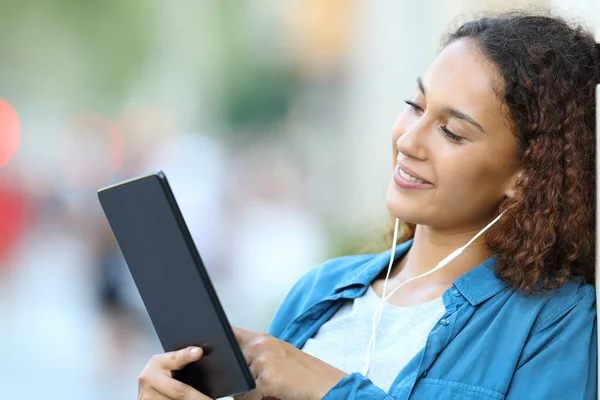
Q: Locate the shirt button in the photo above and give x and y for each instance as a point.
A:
(456, 292)
(444, 322)
(424, 374)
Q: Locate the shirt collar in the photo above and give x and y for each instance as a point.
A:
(480, 283)
(476, 285)
(369, 271)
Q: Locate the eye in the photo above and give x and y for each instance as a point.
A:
(416, 109)
(451, 136)
(447, 133)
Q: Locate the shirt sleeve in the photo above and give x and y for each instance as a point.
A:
(356, 387)
(559, 360)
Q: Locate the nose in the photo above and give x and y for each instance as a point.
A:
(410, 140)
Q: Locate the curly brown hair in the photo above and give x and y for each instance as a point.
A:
(550, 70)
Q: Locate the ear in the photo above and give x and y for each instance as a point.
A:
(517, 179)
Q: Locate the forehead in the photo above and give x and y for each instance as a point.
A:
(461, 77)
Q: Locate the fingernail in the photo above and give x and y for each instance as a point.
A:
(195, 351)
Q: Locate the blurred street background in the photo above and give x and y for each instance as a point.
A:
(271, 119)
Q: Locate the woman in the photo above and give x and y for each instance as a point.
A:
(500, 129)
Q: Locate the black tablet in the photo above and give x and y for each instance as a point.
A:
(173, 283)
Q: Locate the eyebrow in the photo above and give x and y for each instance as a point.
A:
(453, 112)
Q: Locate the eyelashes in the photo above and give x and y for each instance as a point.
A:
(452, 137)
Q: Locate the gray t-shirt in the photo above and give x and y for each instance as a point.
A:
(401, 334)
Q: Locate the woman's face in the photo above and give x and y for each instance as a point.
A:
(453, 136)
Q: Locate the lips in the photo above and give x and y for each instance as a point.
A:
(409, 173)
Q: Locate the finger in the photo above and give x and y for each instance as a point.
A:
(243, 336)
(176, 360)
(253, 395)
(154, 395)
(169, 388)
(151, 394)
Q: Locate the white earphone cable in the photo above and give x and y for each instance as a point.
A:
(384, 297)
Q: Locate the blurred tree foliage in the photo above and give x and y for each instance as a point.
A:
(51, 45)
(259, 84)
(90, 53)
(256, 99)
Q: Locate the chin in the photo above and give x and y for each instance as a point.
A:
(407, 209)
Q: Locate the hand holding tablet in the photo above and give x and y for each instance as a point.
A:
(174, 285)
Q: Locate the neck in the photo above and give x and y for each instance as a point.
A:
(430, 246)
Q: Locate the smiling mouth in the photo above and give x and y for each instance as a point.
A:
(410, 177)
(407, 181)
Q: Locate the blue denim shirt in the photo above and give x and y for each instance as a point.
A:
(492, 343)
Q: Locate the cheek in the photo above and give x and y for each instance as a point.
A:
(478, 181)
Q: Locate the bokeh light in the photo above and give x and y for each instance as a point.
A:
(14, 213)
(10, 132)
(90, 150)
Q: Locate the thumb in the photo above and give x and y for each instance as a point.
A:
(176, 360)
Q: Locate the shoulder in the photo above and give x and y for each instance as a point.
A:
(564, 329)
(574, 300)
(315, 286)
(323, 279)
(560, 351)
